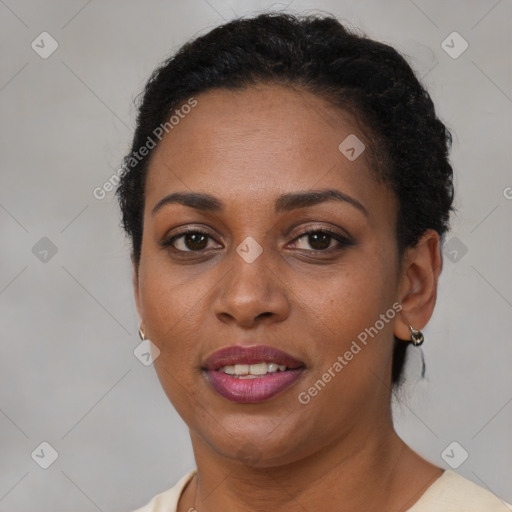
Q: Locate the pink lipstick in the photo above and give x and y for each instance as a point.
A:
(251, 374)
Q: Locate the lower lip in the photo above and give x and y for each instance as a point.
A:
(249, 391)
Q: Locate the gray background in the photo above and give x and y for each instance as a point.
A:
(68, 375)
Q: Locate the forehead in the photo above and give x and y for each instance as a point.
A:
(258, 143)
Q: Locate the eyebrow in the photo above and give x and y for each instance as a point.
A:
(284, 203)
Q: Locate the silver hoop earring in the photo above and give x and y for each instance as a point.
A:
(142, 336)
(416, 336)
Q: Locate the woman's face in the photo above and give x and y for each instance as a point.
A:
(253, 276)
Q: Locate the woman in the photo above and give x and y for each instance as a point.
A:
(286, 196)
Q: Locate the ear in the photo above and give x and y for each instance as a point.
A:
(421, 267)
(135, 283)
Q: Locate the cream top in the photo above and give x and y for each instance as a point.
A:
(449, 493)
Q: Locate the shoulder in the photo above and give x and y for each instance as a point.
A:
(167, 501)
(454, 493)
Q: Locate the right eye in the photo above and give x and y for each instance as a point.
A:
(192, 240)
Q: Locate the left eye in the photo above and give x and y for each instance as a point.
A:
(320, 240)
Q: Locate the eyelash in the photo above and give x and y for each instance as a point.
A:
(342, 240)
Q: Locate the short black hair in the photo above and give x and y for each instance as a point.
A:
(316, 52)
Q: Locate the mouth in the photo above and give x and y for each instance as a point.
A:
(251, 374)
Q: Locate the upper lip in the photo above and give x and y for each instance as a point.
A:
(238, 354)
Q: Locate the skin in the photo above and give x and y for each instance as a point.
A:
(340, 451)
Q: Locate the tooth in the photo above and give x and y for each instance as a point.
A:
(252, 370)
(241, 369)
(249, 376)
(258, 369)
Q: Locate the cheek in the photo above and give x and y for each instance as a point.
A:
(169, 295)
(344, 316)
(173, 305)
(348, 299)
(173, 312)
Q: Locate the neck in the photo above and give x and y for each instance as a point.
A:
(372, 469)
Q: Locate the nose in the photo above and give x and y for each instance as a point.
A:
(251, 293)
